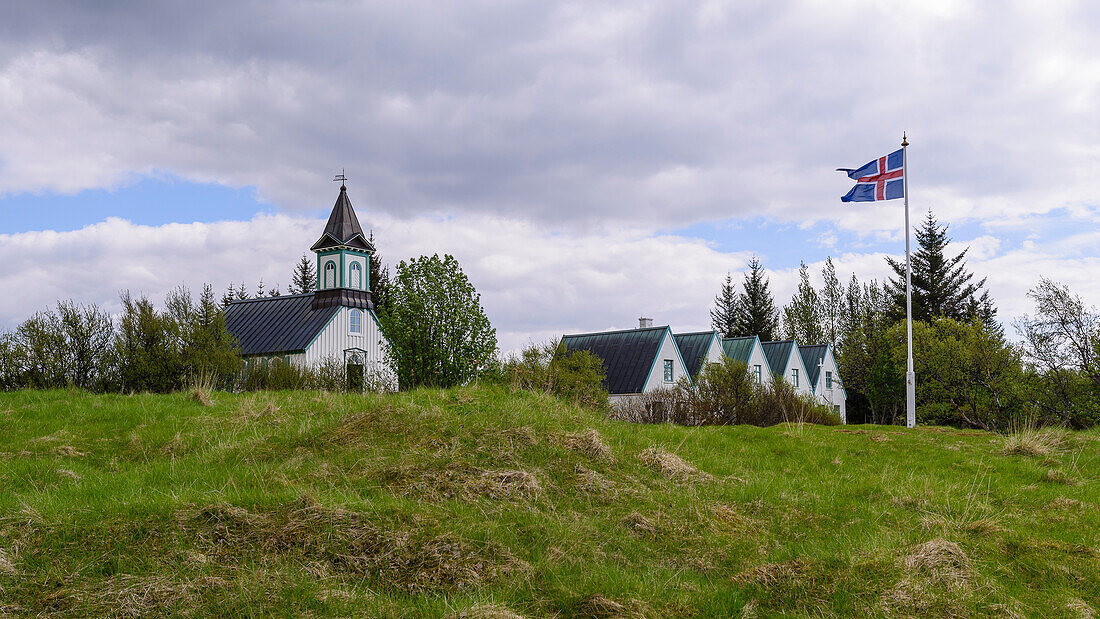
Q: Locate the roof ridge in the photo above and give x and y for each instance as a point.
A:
(615, 331)
(272, 298)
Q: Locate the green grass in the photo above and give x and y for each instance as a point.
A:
(483, 501)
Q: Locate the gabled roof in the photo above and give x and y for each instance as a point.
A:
(276, 325)
(628, 355)
(343, 227)
(778, 355)
(811, 355)
(693, 349)
(739, 348)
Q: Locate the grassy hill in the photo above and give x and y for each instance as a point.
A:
(483, 503)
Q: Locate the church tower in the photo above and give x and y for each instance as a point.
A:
(343, 259)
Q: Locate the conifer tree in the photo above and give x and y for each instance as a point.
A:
(303, 281)
(942, 286)
(754, 312)
(260, 288)
(802, 317)
(832, 305)
(723, 318)
(379, 278)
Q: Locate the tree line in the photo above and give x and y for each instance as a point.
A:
(968, 373)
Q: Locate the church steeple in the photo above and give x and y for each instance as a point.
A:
(343, 258)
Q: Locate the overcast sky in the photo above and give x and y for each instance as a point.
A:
(586, 162)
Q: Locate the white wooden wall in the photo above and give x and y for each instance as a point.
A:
(336, 337)
(667, 350)
(835, 396)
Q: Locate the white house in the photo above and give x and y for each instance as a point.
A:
(749, 351)
(825, 378)
(786, 362)
(336, 321)
(636, 361)
(699, 349)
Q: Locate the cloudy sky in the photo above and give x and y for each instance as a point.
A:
(587, 162)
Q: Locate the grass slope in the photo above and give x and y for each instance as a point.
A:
(480, 502)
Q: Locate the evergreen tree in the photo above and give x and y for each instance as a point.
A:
(303, 280)
(723, 318)
(802, 318)
(942, 286)
(275, 292)
(379, 277)
(832, 305)
(755, 313)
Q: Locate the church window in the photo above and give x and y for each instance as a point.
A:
(330, 274)
(356, 276)
(356, 321)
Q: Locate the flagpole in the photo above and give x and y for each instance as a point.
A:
(910, 375)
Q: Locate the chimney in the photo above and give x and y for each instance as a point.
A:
(645, 323)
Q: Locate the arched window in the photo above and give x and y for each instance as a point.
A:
(356, 321)
(356, 276)
(330, 274)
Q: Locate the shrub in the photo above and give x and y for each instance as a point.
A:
(576, 376)
(725, 394)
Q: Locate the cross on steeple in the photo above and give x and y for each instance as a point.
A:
(340, 177)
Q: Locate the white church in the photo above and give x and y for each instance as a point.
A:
(336, 321)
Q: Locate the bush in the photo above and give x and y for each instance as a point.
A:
(725, 394)
(278, 374)
(578, 376)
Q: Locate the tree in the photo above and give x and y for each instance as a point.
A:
(755, 313)
(802, 317)
(942, 286)
(303, 279)
(1062, 343)
(832, 304)
(969, 375)
(438, 332)
(724, 315)
(379, 277)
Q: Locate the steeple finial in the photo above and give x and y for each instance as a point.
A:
(340, 177)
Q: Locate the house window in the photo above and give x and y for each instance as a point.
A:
(756, 373)
(356, 276)
(330, 274)
(668, 370)
(794, 377)
(356, 321)
(828, 380)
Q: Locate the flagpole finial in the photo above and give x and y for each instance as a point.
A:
(904, 140)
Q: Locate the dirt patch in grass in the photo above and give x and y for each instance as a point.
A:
(349, 542)
(589, 444)
(672, 466)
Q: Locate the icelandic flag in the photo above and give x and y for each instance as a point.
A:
(881, 179)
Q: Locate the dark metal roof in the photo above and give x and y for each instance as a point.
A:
(627, 356)
(778, 355)
(275, 325)
(343, 227)
(811, 355)
(739, 348)
(693, 349)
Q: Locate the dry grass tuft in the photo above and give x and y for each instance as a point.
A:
(7, 563)
(598, 606)
(139, 596)
(69, 474)
(202, 396)
(1056, 476)
(940, 560)
(940, 581)
(488, 611)
(1031, 441)
(508, 484)
(672, 466)
(639, 524)
(771, 574)
(68, 451)
(589, 444)
(591, 481)
(1064, 503)
(1080, 609)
